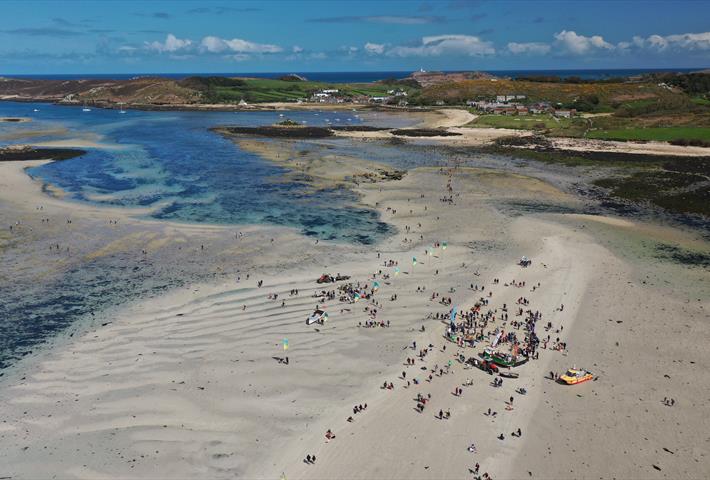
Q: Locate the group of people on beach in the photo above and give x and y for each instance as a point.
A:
(466, 327)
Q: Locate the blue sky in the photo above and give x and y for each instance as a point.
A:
(43, 37)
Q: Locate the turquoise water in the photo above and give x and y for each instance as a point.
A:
(172, 163)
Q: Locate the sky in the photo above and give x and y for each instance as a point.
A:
(103, 37)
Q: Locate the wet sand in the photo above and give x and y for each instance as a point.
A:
(186, 384)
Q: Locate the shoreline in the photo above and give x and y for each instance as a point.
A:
(454, 122)
(188, 382)
(210, 413)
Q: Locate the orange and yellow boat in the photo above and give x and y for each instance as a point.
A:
(573, 376)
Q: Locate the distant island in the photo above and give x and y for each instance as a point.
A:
(669, 107)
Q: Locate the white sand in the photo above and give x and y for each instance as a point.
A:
(185, 385)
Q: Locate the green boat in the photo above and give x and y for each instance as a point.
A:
(504, 359)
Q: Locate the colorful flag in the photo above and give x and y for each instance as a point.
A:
(444, 245)
(453, 315)
(375, 285)
(396, 271)
(285, 342)
(414, 261)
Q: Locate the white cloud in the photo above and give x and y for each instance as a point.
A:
(576, 44)
(375, 48)
(446, 45)
(171, 44)
(657, 42)
(350, 50)
(534, 48)
(296, 49)
(686, 41)
(624, 46)
(217, 45)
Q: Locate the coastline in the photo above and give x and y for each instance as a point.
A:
(187, 383)
(454, 121)
(165, 383)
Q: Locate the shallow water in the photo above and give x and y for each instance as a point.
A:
(172, 163)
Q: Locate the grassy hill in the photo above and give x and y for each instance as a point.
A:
(260, 90)
(610, 95)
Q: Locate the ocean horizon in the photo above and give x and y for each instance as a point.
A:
(360, 77)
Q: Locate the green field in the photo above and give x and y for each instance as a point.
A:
(661, 134)
(257, 90)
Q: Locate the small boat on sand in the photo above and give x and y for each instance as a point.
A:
(508, 374)
(318, 316)
(504, 359)
(573, 376)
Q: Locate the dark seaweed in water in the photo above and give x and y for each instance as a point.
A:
(27, 154)
(276, 131)
(33, 314)
(517, 208)
(682, 256)
(424, 132)
(358, 128)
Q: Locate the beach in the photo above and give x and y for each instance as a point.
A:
(194, 383)
(299, 240)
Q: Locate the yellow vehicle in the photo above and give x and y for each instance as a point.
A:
(573, 376)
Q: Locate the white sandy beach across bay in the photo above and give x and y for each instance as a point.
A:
(192, 383)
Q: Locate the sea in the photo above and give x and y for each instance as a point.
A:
(172, 163)
(168, 166)
(362, 77)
